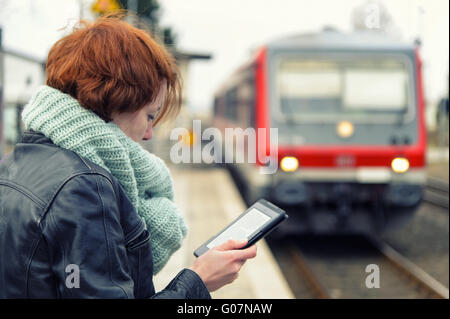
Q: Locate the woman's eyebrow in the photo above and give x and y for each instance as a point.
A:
(156, 111)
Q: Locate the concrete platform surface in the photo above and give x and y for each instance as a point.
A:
(209, 201)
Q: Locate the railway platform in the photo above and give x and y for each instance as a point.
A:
(209, 201)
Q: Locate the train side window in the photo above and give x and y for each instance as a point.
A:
(232, 104)
(251, 101)
(246, 106)
(216, 106)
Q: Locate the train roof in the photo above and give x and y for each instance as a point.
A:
(333, 39)
(328, 38)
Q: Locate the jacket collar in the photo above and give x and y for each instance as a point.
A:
(32, 137)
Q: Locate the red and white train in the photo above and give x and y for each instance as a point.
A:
(349, 109)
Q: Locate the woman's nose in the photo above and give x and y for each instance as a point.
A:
(148, 134)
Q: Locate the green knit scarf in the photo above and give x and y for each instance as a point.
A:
(144, 177)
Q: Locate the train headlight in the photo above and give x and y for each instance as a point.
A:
(400, 164)
(189, 138)
(345, 129)
(289, 164)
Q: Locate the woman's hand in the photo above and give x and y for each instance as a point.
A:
(220, 265)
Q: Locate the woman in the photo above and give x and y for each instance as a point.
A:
(84, 210)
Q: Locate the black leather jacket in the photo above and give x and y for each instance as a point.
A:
(68, 230)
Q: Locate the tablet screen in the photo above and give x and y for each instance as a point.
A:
(243, 228)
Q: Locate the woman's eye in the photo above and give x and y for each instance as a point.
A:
(150, 117)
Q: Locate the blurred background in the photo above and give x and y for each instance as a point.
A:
(358, 90)
(223, 34)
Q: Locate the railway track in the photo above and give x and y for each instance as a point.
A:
(318, 290)
(344, 277)
(419, 278)
(436, 192)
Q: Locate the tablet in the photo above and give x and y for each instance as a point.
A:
(253, 224)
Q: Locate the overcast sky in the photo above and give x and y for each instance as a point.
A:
(230, 29)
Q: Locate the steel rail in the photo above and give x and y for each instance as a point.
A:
(434, 288)
(314, 284)
(436, 192)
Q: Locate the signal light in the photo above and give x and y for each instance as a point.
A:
(345, 129)
(400, 165)
(289, 164)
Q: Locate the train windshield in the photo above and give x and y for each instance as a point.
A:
(362, 90)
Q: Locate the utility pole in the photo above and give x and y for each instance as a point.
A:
(81, 9)
(420, 24)
(2, 85)
(133, 8)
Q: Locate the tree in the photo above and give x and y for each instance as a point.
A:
(149, 12)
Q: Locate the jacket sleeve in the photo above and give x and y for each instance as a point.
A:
(87, 245)
(88, 250)
(186, 285)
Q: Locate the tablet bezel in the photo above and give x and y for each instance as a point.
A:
(276, 214)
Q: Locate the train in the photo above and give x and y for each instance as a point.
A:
(350, 117)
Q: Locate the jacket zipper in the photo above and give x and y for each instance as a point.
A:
(139, 241)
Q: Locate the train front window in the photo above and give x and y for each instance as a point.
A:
(363, 90)
(376, 90)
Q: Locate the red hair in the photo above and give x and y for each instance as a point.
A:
(110, 66)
